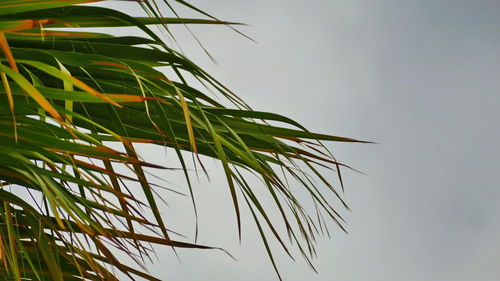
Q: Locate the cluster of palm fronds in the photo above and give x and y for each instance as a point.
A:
(65, 207)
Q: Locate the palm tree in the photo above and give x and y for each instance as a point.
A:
(74, 105)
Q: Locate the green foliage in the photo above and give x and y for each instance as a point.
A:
(67, 95)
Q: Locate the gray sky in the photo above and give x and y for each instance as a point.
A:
(418, 77)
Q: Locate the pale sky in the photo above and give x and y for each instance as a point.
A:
(420, 78)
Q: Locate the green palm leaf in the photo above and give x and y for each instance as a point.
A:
(64, 207)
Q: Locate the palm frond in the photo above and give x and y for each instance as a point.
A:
(69, 97)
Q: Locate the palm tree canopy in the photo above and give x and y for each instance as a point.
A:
(69, 99)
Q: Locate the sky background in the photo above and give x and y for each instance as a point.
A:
(420, 78)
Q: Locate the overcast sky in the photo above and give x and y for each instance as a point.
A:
(421, 78)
